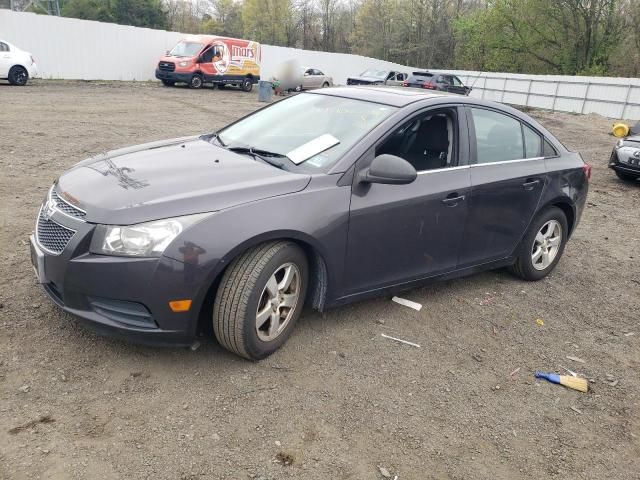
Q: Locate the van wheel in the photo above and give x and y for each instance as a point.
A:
(18, 76)
(260, 298)
(168, 83)
(247, 85)
(196, 81)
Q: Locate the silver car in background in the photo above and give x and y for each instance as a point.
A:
(314, 78)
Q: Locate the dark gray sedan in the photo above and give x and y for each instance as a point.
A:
(320, 199)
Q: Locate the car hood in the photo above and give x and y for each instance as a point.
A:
(633, 138)
(170, 178)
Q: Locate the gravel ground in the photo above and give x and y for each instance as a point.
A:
(338, 401)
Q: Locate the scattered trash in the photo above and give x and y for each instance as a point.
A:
(407, 303)
(620, 130)
(400, 340)
(570, 372)
(384, 472)
(380, 321)
(613, 383)
(477, 357)
(32, 423)
(497, 387)
(629, 334)
(574, 383)
(577, 410)
(278, 443)
(24, 388)
(514, 372)
(540, 322)
(195, 346)
(575, 359)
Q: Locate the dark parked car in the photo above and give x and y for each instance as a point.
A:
(322, 199)
(625, 158)
(437, 81)
(378, 77)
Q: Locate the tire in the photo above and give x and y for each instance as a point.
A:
(196, 81)
(168, 83)
(221, 86)
(325, 85)
(247, 85)
(18, 75)
(244, 293)
(524, 267)
(627, 177)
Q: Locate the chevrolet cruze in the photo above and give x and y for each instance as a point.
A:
(320, 199)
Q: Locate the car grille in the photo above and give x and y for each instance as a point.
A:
(52, 236)
(66, 207)
(167, 66)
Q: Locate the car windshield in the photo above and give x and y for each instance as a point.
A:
(375, 73)
(312, 130)
(186, 49)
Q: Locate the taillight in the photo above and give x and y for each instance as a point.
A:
(32, 59)
(405, 84)
(586, 168)
(429, 86)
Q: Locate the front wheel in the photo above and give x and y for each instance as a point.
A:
(542, 245)
(247, 85)
(260, 298)
(18, 76)
(196, 81)
(627, 177)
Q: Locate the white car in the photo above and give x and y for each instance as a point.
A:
(314, 78)
(16, 65)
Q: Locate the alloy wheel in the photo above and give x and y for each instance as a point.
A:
(278, 302)
(546, 245)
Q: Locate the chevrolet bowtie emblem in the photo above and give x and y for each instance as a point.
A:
(48, 210)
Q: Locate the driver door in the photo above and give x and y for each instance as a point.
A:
(5, 60)
(400, 233)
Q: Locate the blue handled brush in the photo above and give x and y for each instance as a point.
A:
(575, 383)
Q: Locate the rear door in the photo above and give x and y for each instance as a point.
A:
(457, 86)
(508, 176)
(399, 233)
(5, 60)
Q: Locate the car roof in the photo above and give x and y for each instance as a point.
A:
(394, 96)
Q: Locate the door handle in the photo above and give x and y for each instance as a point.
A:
(452, 199)
(530, 184)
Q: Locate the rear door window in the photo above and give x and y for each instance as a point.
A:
(4, 47)
(498, 136)
(532, 142)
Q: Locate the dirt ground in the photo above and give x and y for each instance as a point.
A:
(338, 401)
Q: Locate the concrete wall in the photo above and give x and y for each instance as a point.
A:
(79, 49)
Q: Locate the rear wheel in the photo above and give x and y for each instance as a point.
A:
(247, 84)
(168, 83)
(542, 246)
(196, 81)
(18, 76)
(260, 298)
(627, 177)
(325, 84)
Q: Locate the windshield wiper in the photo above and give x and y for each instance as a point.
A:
(263, 155)
(217, 137)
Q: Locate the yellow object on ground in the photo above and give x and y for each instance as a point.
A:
(620, 130)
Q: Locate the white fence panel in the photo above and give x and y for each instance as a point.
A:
(79, 49)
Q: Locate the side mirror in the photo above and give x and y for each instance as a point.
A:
(167, 52)
(388, 169)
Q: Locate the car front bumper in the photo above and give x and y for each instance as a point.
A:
(173, 76)
(629, 162)
(122, 297)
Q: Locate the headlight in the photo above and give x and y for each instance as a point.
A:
(184, 64)
(142, 240)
